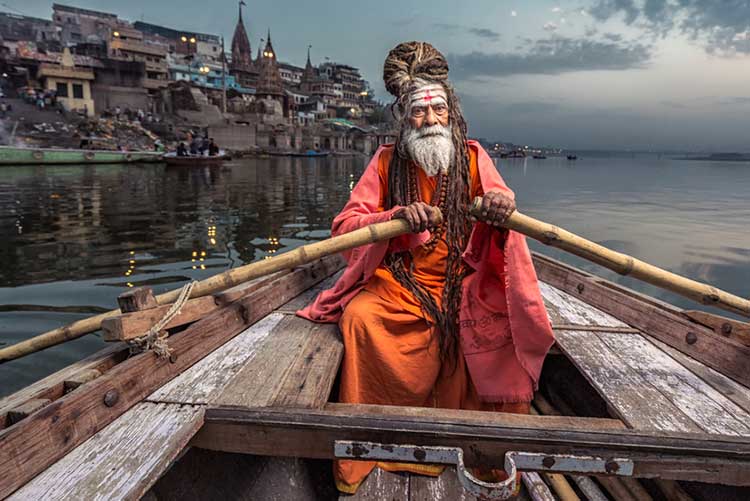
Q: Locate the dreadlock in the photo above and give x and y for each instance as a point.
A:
(407, 65)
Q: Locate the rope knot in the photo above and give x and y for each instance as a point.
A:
(156, 337)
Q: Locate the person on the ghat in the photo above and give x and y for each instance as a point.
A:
(451, 315)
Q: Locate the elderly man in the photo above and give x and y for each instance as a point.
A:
(451, 315)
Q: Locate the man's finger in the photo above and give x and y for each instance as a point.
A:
(422, 217)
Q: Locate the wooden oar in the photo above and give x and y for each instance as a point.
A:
(297, 257)
(621, 263)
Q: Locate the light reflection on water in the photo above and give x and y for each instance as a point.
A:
(79, 236)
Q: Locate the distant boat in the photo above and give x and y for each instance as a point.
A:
(195, 160)
(311, 153)
(10, 155)
(286, 153)
(540, 157)
(514, 154)
(572, 157)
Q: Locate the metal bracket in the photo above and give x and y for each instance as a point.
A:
(514, 461)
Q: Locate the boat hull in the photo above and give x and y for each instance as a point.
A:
(195, 161)
(45, 156)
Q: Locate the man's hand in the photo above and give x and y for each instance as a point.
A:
(420, 216)
(496, 208)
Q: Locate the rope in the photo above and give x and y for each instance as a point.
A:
(156, 337)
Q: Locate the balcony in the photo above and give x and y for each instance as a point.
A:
(138, 47)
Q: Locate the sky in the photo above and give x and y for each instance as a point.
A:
(579, 74)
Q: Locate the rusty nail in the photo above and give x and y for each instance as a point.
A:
(691, 337)
(111, 398)
(548, 462)
(580, 288)
(611, 466)
(172, 358)
(726, 328)
(420, 455)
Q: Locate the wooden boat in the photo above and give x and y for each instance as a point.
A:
(48, 156)
(572, 157)
(540, 157)
(172, 159)
(647, 391)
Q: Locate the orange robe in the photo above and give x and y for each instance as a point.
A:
(391, 353)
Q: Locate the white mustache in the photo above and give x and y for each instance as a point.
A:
(433, 130)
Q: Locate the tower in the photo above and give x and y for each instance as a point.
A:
(242, 55)
(269, 78)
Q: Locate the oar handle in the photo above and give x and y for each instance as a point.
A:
(222, 281)
(621, 263)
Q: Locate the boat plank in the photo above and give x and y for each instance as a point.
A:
(208, 377)
(564, 308)
(705, 406)
(633, 399)
(310, 379)
(380, 485)
(726, 355)
(53, 386)
(262, 379)
(731, 389)
(122, 460)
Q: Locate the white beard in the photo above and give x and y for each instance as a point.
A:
(431, 147)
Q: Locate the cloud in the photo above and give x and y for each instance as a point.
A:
(485, 33)
(549, 26)
(552, 56)
(721, 26)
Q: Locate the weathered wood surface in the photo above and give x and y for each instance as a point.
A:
(727, 327)
(140, 298)
(295, 367)
(123, 459)
(41, 439)
(137, 322)
(729, 388)
(24, 410)
(709, 409)
(190, 390)
(285, 432)
(382, 485)
(727, 355)
(52, 387)
(644, 386)
(207, 378)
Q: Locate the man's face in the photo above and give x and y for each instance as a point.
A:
(428, 114)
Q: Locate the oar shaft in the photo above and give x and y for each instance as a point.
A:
(622, 263)
(297, 257)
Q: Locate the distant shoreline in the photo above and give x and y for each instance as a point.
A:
(720, 157)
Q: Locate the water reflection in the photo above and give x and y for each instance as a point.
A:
(80, 236)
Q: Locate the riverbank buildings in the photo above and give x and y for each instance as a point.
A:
(188, 77)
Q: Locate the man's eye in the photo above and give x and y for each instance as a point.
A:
(440, 109)
(418, 112)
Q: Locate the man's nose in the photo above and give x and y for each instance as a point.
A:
(431, 118)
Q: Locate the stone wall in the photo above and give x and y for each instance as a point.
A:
(234, 137)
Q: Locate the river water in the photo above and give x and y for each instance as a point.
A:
(79, 236)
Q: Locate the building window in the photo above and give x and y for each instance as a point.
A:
(78, 91)
(62, 89)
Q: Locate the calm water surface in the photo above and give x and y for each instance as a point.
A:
(80, 236)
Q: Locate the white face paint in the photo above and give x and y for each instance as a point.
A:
(430, 146)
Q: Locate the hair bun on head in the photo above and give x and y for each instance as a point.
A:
(410, 61)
